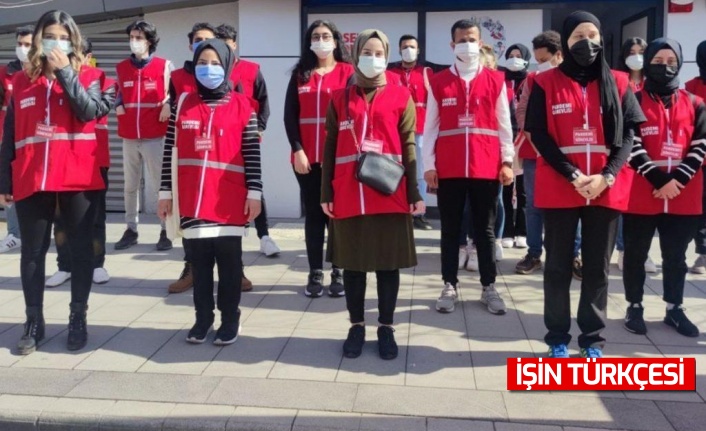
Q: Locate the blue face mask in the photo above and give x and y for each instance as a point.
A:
(210, 76)
(49, 44)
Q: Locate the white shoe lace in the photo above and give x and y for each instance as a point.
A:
(449, 292)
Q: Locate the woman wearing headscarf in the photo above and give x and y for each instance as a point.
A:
(666, 194)
(370, 231)
(214, 130)
(582, 118)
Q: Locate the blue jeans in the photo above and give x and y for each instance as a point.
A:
(421, 184)
(500, 221)
(619, 241)
(13, 225)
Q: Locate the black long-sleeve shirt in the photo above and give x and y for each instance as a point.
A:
(291, 114)
(259, 94)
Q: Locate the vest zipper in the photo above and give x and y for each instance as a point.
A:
(669, 171)
(468, 170)
(588, 145)
(318, 118)
(203, 168)
(139, 102)
(46, 147)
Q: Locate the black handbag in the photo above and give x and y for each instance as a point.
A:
(376, 170)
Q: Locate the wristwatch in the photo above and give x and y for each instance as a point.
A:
(576, 174)
(609, 179)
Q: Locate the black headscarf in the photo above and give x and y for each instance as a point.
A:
(662, 89)
(598, 70)
(227, 58)
(625, 52)
(520, 75)
(701, 59)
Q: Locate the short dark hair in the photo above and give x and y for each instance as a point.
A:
(201, 26)
(225, 31)
(407, 37)
(550, 39)
(24, 31)
(148, 29)
(464, 24)
(86, 46)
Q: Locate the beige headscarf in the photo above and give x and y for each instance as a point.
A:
(364, 36)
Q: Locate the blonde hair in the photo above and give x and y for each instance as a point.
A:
(36, 58)
(488, 58)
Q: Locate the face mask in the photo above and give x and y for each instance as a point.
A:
(661, 73)
(209, 75)
(515, 64)
(635, 62)
(409, 55)
(138, 47)
(49, 44)
(467, 56)
(323, 49)
(195, 45)
(21, 52)
(372, 66)
(543, 67)
(585, 52)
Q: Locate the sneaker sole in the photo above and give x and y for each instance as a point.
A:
(195, 340)
(126, 246)
(25, 352)
(164, 248)
(313, 295)
(632, 331)
(669, 322)
(101, 281)
(73, 348)
(336, 295)
(57, 284)
(495, 312)
(180, 290)
(527, 272)
(225, 343)
(352, 355)
(445, 310)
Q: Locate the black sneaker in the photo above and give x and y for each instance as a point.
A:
(336, 290)
(128, 240)
(198, 332)
(677, 319)
(634, 322)
(528, 265)
(353, 346)
(315, 286)
(421, 223)
(386, 343)
(577, 269)
(164, 243)
(226, 334)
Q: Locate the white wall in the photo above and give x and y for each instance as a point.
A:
(689, 30)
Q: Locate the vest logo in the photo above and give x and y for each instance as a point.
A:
(128, 84)
(649, 130)
(191, 125)
(449, 101)
(303, 90)
(29, 101)
(346, 125)
(562, 108)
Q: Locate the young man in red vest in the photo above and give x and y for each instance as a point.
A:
(247, 79)
(468, 153)
(143, 111)
(24, 42)
(415, 75)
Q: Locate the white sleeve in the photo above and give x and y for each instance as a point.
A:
(431, 133)
(502, 111)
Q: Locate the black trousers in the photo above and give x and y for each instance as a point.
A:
(700, 239)
(63, 258)
(227, 253)
(675, 234)
(515, 224)
(355, 285)
(315, 221)
(483, 198)
(261, 225)
(36, 215)
(598, 230)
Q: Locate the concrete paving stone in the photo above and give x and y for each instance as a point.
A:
(164, 312)
(585, 429)
(253, 355)
(69, 414)
(510, 426)
(307, 420)
(409, 401)
(279, 311)
(326, 313)
(125, 308)
(369, 368)
(434, 424)
(440, 361)
(18, 412)
(392, 423)
(684, 416)
(309, 355)
(146, 387)
(197, 417)
(39, 382)
(179, 357)
(287, 394)
(261, 419)
(689, 352)
(489, 358)
(595, 412)
(133, 415)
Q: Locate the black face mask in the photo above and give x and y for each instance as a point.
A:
(585, 52)
(661, 73)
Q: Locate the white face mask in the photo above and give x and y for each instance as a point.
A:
(409, 55)
(467, 55)
(635, 62)
(372, 66)
(322, 48)
(21, 52)
(543, 67)
(515, 64)
(138, 47)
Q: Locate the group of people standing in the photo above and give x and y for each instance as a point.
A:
(571, 146)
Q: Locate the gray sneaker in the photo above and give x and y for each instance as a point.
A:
(699, 265)
(491, 298)
(447, 301)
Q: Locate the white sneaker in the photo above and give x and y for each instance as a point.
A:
(59, 278)
(491, 298)
(700, 265)
(100, 276)
(472, 264)
(462, 257)
(621, 259)
(268, 247)
(507, 242)
(499, 254)
(447, 301)
(520, 242)
(650, 266)
(10, 242)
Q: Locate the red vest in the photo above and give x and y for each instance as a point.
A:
(212, 182)
(102, 134)
(696, 86)
(245, 73)
(6, 83)
(471, 151)
(183, 82)
(314, 98)
(523, 147)
(565, 114)
(65, 162)
(415, 82)
(352, 198)
(654, 134)
(143, 91)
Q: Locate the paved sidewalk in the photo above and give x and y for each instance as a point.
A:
(286, 371)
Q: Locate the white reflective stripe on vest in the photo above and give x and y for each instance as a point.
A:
(4, 108)
(471, 131)
(311, 120)
(141, 105)
(101, 127)
(57, 137)
(581, 149)
(211, 164)
(667, 163)
(420, 105)
(354, 158)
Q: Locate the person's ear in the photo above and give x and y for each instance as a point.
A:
(480, 43)
(453, 45)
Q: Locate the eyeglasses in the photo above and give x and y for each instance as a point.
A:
(318, 37)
